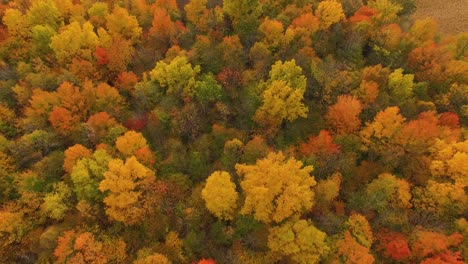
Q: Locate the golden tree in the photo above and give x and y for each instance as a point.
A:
(220, 195)
(300, 240)
(329, 12)
(126, 184)
(276, 188)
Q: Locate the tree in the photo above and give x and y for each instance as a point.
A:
(97, 14)
(329, 12)
(87, 174)
(77, 101)
(233, 52)
(244, 15)
(400, 85)
(360, 229)
(198, 14)
(387, 11)
(351, 252)
(428, 62)
(326, 191)
(129, 143)
(271, 33)
(121, 23)
(62, 120)
(107, 99)
(100, 125)
(298, 239)
(280, 102)
(41, 104)
(83, 247)
(275, 188)
(220, 195)
(153, 259)
(343, 116)
(41, 36)
(57, 203)
(390, 198)
(164, 30)
(440, 199)
(126, 81)
(426, 243)
(44, 13)
(393, 245)
(73, 154)
(305, 26)
(126, 197)
(418, 135)
(208, 89)
(449, 161)
(75, 41)
(378, 137)
(322, 143)
(177, 77)
(289, 72)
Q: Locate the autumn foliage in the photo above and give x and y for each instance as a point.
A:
(233, 131)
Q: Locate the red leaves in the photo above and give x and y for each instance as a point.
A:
(449, 119)
(206, 261)
(126, 81)
(343, 117)
(394, 245)
(101, 56)
(62, 120)
(322, 143)
(428, 243)
(363, 14)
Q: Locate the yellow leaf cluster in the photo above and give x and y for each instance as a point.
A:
(360, 229)
(385, 125)
(130, 142)
(280, 102)
(124, 182)
(220, 195)
(450, 160)
(300, 240)
(276, 188)
(329, 12)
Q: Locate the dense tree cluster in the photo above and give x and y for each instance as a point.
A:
(231, 131)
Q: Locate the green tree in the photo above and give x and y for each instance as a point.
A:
(87, 174)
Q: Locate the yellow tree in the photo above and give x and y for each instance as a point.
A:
(75, 41)
(280, 102)
(298, 239)
(276, 188)
(450, 161)
(153, 259)
(220, 195)
(177, 76)
(121, 23)
(126, 184)
(329, 12)
(130, 143)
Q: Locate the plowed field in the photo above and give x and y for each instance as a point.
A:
(452, 15)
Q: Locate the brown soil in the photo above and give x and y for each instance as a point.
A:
(452, 15)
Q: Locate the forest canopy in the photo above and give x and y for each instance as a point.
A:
(231, 131)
